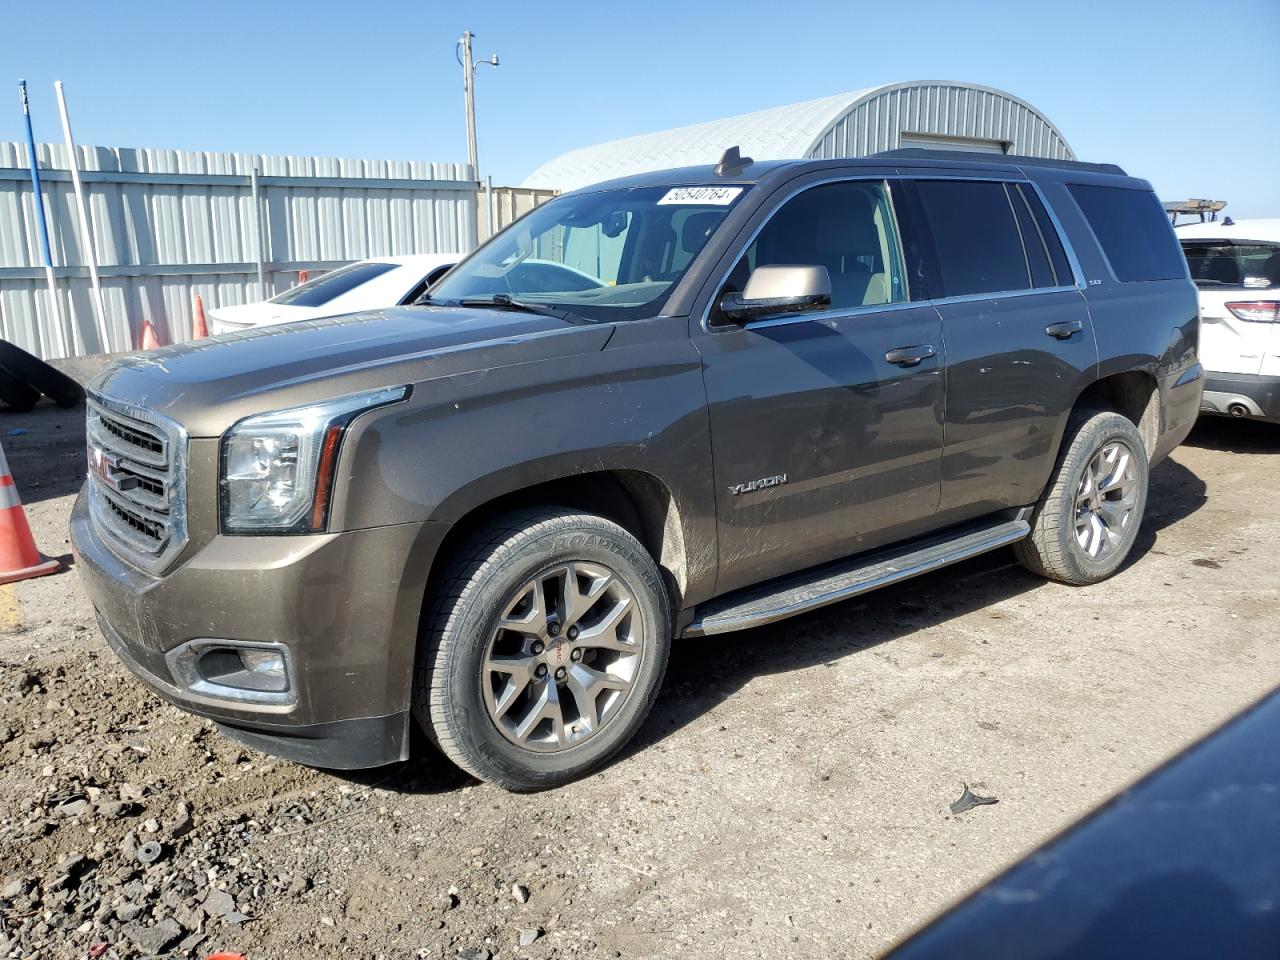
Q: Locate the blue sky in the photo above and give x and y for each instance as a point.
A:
(1186, 94)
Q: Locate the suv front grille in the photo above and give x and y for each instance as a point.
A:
(137, 481)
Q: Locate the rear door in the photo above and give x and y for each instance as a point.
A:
(1018, 339)
(823, 446)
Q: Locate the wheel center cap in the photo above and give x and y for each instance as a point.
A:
(556, 653)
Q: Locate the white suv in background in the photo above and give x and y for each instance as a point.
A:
(1236, 267)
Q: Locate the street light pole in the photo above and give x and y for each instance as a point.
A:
(469, 87)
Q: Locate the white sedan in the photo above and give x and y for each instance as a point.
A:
(363, 285)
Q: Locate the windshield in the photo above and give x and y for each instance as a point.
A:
(609, 255)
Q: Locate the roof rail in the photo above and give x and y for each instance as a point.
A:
(1013, 159)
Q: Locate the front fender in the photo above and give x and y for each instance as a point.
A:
(464, 440)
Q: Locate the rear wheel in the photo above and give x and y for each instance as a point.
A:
(544, 650)
(1087, 521)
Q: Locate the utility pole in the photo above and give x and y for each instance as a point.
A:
(469, 87)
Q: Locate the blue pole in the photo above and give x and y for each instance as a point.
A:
(41, 224)
(35, 177)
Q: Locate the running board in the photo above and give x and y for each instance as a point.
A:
(800, 593)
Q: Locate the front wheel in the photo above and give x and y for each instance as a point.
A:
(544, 648)
(1088, 518)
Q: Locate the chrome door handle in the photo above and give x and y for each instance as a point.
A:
(910, 356)
(1064, 330)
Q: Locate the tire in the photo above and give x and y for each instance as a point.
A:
(40, 376)
(468, 708)
(16, 392)
(1078, 514)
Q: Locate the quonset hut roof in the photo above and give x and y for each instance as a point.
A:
(917, 113)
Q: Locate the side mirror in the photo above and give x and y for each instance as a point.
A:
(778, 290)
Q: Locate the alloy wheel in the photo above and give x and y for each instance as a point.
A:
(1105, 500)
(563, 657)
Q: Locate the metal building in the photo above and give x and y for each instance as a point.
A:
(950, 115)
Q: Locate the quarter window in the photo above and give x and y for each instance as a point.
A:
(975, 237)
(846, 227)
(1133, 231)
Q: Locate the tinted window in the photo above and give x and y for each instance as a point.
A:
(1134, 233)
(975, 237)
(847, 228)
(1225, 263)
(318, 292)
(1049, 233)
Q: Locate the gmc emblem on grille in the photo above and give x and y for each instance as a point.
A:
(107, 467)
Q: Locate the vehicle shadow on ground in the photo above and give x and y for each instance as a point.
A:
(705, 672)
(45, 450)
(1235, 436)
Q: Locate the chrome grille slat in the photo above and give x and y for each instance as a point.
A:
(137, 481)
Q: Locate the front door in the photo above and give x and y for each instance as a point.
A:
(826, 427)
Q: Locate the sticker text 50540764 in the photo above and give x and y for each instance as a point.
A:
(703, 196)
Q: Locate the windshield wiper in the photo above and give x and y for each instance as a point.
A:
(502, 301)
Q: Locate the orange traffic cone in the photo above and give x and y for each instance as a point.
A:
(19, 558)
(200, 326)
(149, 339)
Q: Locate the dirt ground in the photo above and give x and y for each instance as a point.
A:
(787, 797)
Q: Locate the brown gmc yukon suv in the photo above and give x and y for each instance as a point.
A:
(679, 404)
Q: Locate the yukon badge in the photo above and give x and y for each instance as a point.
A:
(752, 485)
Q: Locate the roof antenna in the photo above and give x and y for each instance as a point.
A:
(732, 163)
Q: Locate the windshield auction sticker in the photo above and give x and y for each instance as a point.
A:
(704, 196)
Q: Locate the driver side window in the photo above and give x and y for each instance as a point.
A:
(847, 228)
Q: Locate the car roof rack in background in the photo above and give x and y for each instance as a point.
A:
(973, 156)
(1206, 210)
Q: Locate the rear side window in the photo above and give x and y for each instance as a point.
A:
(318, 292)
(1037, 255)
(1134, 233)
(1227, 263)
(975, 237)
(1048, 234)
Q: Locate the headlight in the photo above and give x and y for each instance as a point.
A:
(277, 468)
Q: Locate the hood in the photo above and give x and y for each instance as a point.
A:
(207, 385)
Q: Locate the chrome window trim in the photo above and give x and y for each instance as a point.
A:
(175, 439)
(1000, 295)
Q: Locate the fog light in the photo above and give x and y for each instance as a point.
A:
(267, 666)
(256, 673)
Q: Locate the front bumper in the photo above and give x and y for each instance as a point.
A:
(1243, 395)
(344, 605)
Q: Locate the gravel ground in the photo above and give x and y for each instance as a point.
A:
(787, 797)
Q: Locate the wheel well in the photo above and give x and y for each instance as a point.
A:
(1132, 395)
(638, 502)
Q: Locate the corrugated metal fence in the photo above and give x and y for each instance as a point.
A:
(168, 224)
(501, 205)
